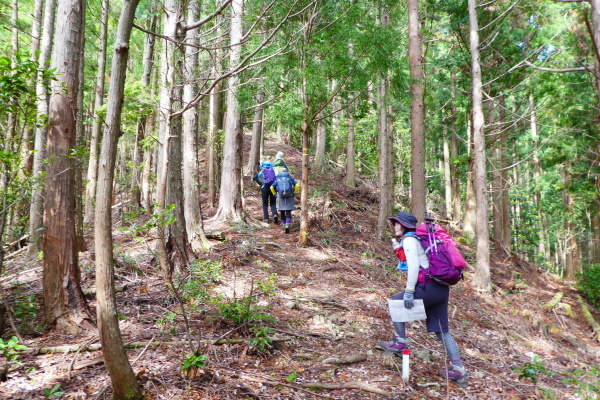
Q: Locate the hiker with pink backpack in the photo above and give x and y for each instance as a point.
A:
(433, 263)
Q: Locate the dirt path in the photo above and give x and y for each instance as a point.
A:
(327, 305)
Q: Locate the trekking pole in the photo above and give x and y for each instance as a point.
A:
(430, 231)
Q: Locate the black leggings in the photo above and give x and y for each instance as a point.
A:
(268, 198)
(286, 214)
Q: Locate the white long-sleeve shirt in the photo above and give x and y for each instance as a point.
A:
(415, 258)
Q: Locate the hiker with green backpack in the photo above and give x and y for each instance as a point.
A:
(426, 284)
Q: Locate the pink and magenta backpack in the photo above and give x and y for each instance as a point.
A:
(446, 264)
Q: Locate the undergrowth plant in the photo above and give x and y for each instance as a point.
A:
(532, 370)
(193, 362)
(262, 342)
(586, 382)
(588, 283)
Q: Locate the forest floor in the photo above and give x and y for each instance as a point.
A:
(327, 305)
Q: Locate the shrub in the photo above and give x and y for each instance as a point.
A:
(588, 283)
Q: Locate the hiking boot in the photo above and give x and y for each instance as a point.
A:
(287, 228)
(393, 346)
(267, 221)
(456, 374)
(275, 220)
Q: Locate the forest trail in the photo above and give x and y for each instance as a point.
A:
(329, 308)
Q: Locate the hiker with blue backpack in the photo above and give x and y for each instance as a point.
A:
(265, 178)
(285, 187)
(418, 249)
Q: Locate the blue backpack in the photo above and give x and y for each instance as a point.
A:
(268, 175)
(284, 185)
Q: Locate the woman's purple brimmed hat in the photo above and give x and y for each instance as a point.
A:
(405, 219)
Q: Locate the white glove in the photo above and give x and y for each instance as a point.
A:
(395, 244)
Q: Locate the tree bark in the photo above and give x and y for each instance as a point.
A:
(469, 220)
(447, 175)
(505, 195)
(90, 191)
(64, 302)
(146, 124)
(257, 136)
(571, 248)
(303, 239)
(172, 237)
(454, 153)
(321, 141)
(36, 210)
(417, 113)
(80, 142)
(191, 174)
(482, 278)
(28, 143)
(230, 206)
(123, 379)
(386, 175)
(350, 156)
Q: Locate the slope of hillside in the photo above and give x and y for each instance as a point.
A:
(326, 308)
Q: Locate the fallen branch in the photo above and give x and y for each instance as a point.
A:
(215, 235)
(555, 300)
(347, 385)
(352, 359)
(92, 290)
(134, 345)
(589, 318)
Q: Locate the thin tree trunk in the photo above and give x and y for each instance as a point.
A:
(504, 178)
(191, 174)
(230, 207)
(171, 238)
(64, 303)
(537, 172)
(215, 119)
(123, 379)
(470, 217)
(28, 142)
(255, 145)
(385, 174)
(303, 239)
(417, 112)
(140, 196)
(456, 203)
(37, 199)
(572, 249)
(350, 156)
(90, 191)
(447, 175)
(80, 142)
(321, 141)
(482, 278)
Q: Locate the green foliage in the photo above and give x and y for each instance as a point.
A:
(268, 286)
(291, 378)
(10, 349)
(168, 319)
(532, 370)
(193, 362)
(241, 311)
(202, 272)
(54, 392)
(588, 283)
(586, 382)
(163, 218)
(261, 342)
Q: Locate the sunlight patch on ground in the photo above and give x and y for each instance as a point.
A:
(317, 255)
